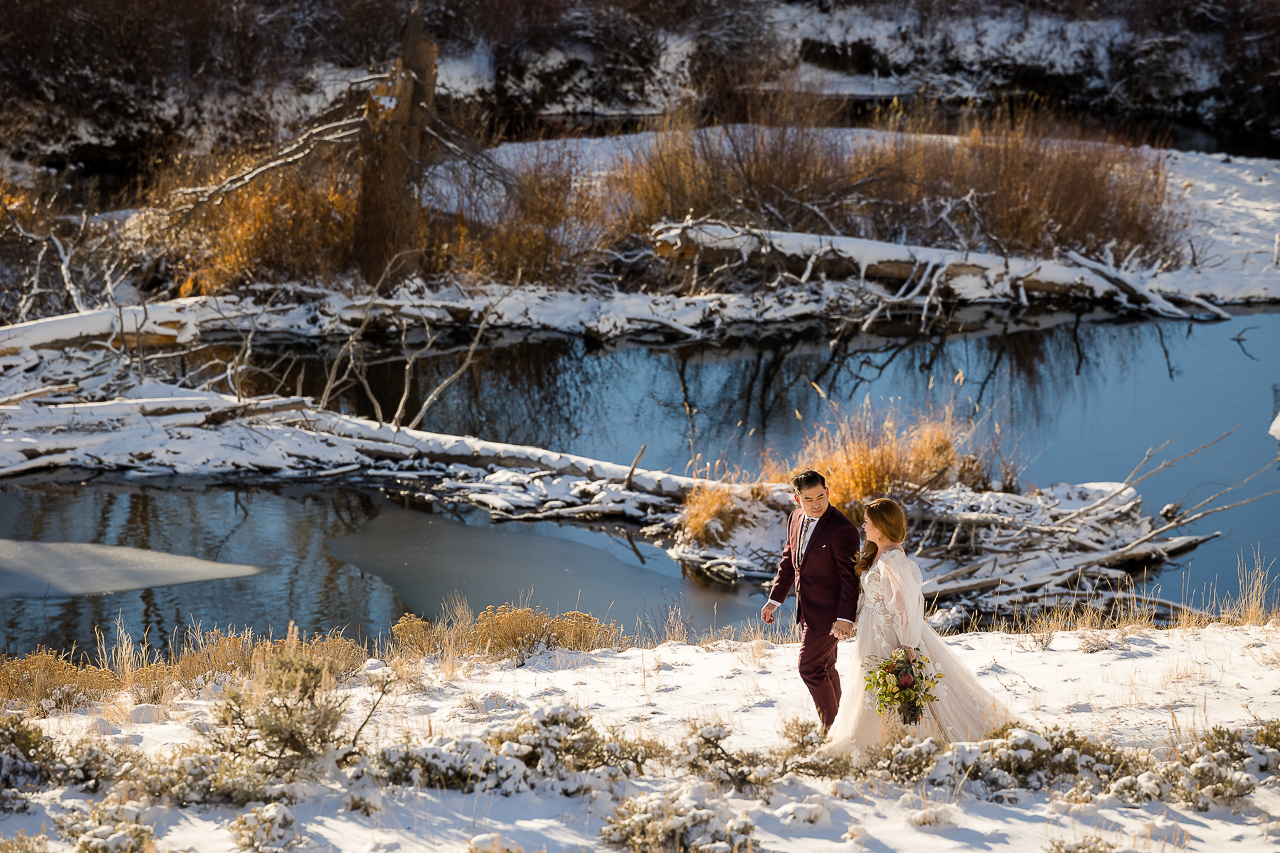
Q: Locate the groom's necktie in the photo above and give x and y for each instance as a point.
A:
(801, 546)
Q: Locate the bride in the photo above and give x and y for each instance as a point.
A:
(891, 614)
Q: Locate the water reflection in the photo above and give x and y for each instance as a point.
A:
(282, 529)
(738, 398)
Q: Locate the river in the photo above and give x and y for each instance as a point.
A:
(1076, 399)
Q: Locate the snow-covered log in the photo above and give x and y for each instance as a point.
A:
(954, 275)
(167, 323)
(438, 447)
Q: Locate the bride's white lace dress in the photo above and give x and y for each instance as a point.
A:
(891, 614)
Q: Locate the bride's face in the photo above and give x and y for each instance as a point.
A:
(875, 537)
(872, 532)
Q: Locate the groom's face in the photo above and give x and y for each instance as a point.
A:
(813, 501)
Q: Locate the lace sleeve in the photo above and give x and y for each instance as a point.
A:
(905, 600)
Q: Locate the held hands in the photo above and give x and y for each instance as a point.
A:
(842, 630)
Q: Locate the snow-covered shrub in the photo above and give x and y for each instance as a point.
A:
(801, 739)
(939, 815)
(1199, 777)
(1088, 844)
(1018, 758)
(1221, 766)
(704, 754)
(685, 822)
(23, 761)
(493, 842)
(89, 763)
(25, 737)
(23, 843)
(463, 764)
(907, 761)
(263, 829)
(287, 718)
(1136, 790)
(1225, 740)
(189, 775)
(106, 829)
(1267, 735)
(560, 739)
(556, 746)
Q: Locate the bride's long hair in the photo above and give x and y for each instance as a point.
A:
(889, 519)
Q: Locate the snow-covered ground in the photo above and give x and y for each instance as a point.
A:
(1135, 687)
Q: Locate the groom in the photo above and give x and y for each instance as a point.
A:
(818, 559)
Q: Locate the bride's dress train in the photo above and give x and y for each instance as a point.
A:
(891, 614)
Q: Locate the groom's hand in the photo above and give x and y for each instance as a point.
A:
(842, 629)
(766, 613)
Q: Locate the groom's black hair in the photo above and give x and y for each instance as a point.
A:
(807, 478)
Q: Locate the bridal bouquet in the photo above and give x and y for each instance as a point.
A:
(900, 681)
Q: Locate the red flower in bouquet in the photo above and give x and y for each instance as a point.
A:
(905, 681)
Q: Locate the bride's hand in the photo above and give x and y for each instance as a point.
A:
(842, 630)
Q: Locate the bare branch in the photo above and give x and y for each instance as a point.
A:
(466, 362)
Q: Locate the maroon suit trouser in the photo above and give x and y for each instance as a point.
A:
(818, 671)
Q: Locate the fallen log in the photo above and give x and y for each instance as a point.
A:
(437, 447)
(974, 275)
(37, 392)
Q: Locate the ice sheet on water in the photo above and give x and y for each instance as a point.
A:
(37, 569)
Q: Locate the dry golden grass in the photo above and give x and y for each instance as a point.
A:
(216, 652)
(292, 223)
(874, 452)
(1020, 184)
(710, 513)
(1255, 604)
(508, 630)
(1035, 184)
(45, 679)
(147, 676)
(767, 172)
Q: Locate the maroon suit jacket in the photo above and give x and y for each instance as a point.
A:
(828, 586)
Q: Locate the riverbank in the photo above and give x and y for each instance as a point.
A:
(432, 771)
(791, 278)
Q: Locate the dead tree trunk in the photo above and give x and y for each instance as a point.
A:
(392, 149)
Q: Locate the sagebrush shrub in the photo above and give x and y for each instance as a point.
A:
(189, 776)
(685, 822)
(289, 716)
(263, 829)
(705, 754)
(101, 828)
(561, 739)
